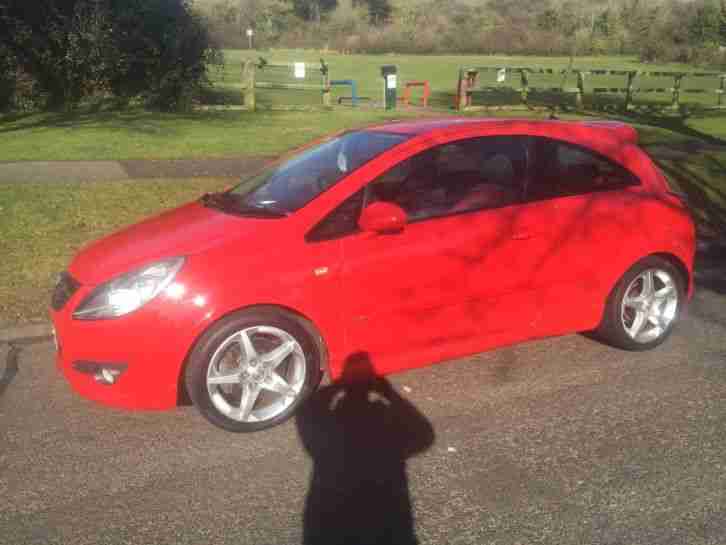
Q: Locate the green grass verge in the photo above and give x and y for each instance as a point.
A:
(150, 135)
(702, 178)
(43, 225)
(141, 134)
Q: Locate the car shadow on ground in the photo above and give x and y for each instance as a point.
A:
(359, 433)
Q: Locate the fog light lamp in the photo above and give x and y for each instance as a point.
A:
(103, 373)
(107, 376)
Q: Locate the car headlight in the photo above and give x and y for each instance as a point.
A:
(129, 291)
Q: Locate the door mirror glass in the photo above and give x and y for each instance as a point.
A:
(382, 217)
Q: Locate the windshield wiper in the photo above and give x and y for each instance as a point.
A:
(214, 200)
(231, 204)
(263, 211)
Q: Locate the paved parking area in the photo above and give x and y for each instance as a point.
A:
(557, 441)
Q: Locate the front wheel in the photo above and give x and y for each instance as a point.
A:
(252, 370)
(644, 306)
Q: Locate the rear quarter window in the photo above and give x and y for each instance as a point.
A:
(561, 169)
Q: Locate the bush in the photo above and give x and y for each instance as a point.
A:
(8, 79)
(159, 50)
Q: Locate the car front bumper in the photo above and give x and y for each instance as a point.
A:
(131, 362)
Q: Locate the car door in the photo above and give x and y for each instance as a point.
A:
(459, 277)
(590, 196)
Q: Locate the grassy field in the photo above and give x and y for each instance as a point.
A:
(139, 134)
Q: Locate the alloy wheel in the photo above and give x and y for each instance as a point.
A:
(256, 373)
(650, 305)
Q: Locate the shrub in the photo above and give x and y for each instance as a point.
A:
(159, 50)
(8, 79)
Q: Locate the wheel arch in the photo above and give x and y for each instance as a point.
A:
(306, 322)
(679, 265)
(671, 258)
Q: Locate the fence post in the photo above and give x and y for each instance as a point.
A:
(461, 91)
(471, 80)
(248, 84)
(580, 89)
(629, 91)
(326, 90)
(327, 94)
(524, 81)
(676, 102)
(723, 90)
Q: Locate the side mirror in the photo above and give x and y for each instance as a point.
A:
(382, 217)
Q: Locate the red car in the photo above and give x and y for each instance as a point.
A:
(399, 245)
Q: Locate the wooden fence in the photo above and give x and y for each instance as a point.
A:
(284, 77)
(627, 85)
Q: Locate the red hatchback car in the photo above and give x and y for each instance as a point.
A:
(403, 244)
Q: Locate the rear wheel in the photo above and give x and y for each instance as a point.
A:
(253, 369)
(644, 306)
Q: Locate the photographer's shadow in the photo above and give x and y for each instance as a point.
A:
(360, 432)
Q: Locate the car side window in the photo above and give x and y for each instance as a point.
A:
(462, 176)
(561, 169)
(340, 222)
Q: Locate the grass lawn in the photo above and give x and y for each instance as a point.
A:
(43, 225)
(139, 134)
(702, 177)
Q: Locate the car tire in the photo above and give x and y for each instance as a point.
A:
(639, 318)
(228, 386)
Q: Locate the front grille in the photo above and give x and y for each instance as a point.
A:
(64, 290)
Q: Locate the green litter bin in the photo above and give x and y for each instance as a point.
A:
(390, 84)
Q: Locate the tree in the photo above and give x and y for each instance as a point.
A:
(59, 43)
(548, 19)
(313, 10)
(705, 24)
(156, 49)
(8, 78)
(379, 11)
(161, 52)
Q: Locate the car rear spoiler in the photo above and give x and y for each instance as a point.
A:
(622, 131)
(680, 196)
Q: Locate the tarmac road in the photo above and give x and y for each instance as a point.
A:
(557, 441)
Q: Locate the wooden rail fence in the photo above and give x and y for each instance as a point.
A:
(288, 76)
(469, 84)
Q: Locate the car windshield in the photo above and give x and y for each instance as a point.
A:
(284, 188)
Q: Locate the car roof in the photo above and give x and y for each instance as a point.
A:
(621, 131)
